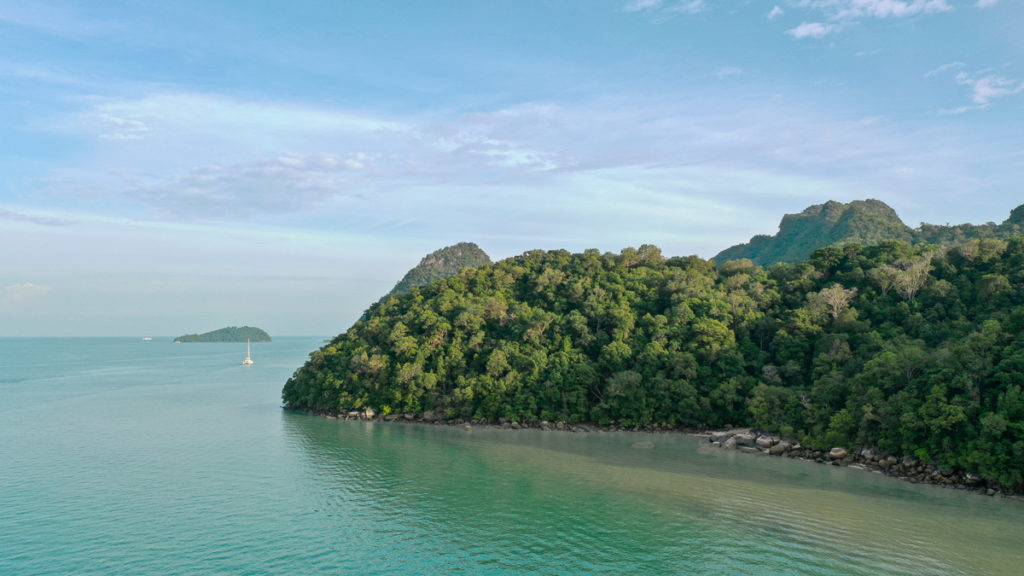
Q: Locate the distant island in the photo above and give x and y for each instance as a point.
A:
(230, 334)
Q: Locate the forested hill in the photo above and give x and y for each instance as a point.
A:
(443, 263)
(911, 349)
(230, 334)
(862, 221)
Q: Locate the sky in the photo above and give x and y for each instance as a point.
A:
(174, 167)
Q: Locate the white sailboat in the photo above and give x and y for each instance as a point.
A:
(248, 354)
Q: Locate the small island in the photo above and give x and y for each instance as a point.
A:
(230, 334)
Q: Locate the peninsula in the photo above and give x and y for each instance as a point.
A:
(909, 349)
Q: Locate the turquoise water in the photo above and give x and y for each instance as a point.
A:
(119, 456)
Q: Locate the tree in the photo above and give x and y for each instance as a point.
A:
(837, 298)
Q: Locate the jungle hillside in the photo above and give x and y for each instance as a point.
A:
(913, 349)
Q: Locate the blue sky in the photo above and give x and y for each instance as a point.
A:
(179, 167)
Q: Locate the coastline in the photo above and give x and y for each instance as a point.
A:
(746, 440)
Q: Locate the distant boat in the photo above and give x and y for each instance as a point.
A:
(248, 354)
(147, 338)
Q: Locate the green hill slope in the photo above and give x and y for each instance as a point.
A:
(915, 350)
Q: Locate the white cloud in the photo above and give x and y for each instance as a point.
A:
(987, 3)
(985, 87)
(728, 72)
(854, 9)
(838, 14)
(775, 13)
(943, 68)
(640, 5)
(812, 30)
(684, 6)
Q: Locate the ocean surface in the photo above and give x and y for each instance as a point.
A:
(124, 456)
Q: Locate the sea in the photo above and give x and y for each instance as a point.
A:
(126, 456)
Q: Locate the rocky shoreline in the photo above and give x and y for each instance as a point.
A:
(904, 468)
(741, 439)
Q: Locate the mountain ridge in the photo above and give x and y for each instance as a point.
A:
(865, 222)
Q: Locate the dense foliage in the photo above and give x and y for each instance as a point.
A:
(865, 222)
(914, 350)
(230, 334)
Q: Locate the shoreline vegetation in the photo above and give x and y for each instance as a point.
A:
(915, 351)
(743, 440)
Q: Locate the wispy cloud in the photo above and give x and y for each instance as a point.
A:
(986, 86)
(943, 68)
(839, 14)
(987, 3)
(660, 6)
(775, 12)
(728, 72)
(199, 157)
(6, 214)
(55, 20)
(812, 30)
(21, 293)
(640, 5)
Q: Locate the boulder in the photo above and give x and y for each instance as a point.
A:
(369, 413)
(780, 448)
(720, 435)
(869, 454)
(745, 439)
(765, 441)
(730, 443)
(837, 453)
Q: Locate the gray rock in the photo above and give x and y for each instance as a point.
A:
(765, 441)
(780, 448)
(720, 435)
(837, 453)
(745, 439)
(369, 413)
(729, 444)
